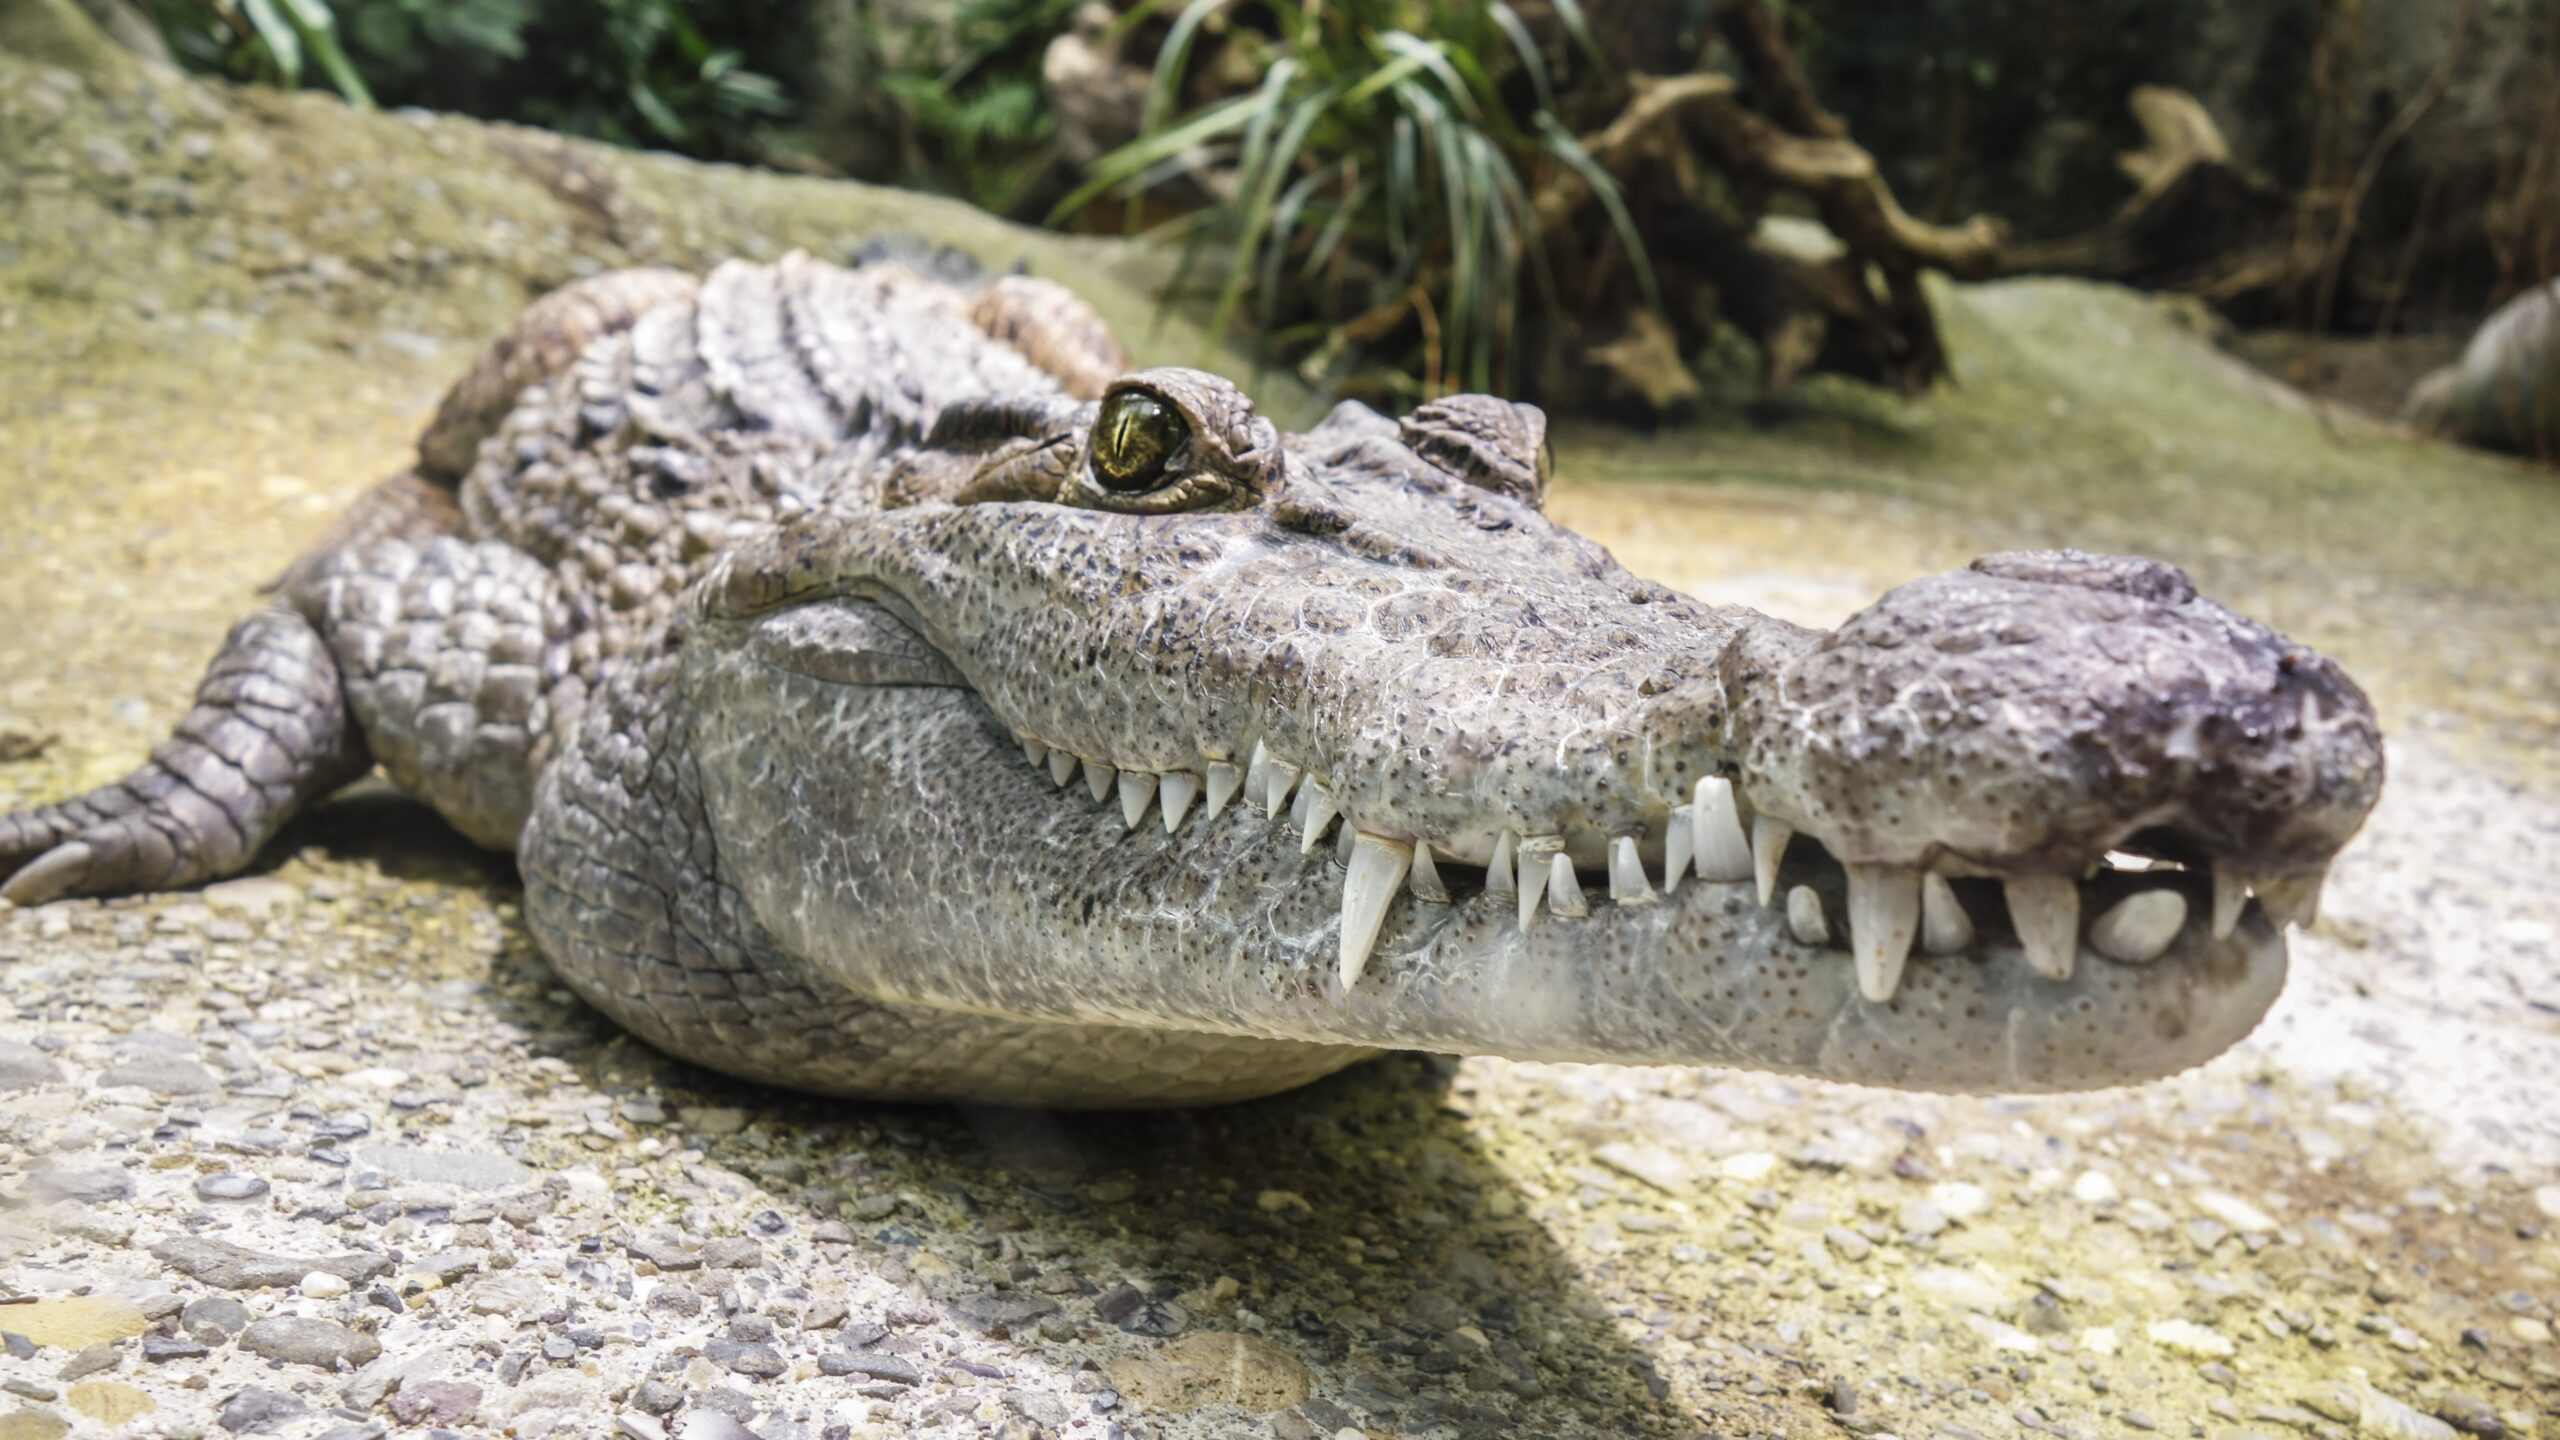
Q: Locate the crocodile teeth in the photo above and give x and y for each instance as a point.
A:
(1257, 778)
(1884, 912)
(2137, 928)
(1035, 752)
(1062, 768)
(1378, 866)
(1137, 792)
(1627, 884)
(1534, 853)
(1944, 927)
(1425, 881)
(1224, 781)
(1678, 840)
(1768, 846)
(2293, 899)
(1498, 876)
(1175, 795)
(1804, 917)
(1564, 888)
(1723, 855)
(1098, 779)
(2230, 893)
(1315, 816)
(1281, 778)
(2046, 911)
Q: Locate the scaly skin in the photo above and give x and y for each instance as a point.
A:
(872, 711)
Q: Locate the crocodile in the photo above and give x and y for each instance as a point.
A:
(887, 691)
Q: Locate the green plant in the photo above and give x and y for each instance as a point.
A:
(665, 72)
(1386, 167)
(977, 123)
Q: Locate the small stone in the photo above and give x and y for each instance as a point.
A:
(1848, 1244)
(1959, 1201)
(2093, 1187)
(2379, 1417)
(23, 1067)
(887, 1369)
(2185, 1337)
(161, 1349)
(732, 1253)
(299, 1340)
(714, 1121)
(230, 1187)
(90, 1360)
(321, 1285)
(220, 1313)
(2546, 1198)
(257, 1411)
(109, 1402)
(638, 1426)
(2235, 1212)
(1658, 1168)
(2468, 1413)
(256, 896)
(226, 1266)
(760, 1361)
(74, 1322)
(33, 1425)
(657, 1397)
(161, 1075)
(1001, 1309)
(87, 1187)
(435, 1402)
(478, 1170)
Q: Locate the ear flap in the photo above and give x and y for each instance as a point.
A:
(1490, 443)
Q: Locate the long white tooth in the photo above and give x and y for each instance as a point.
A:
(1062, 768)
(1137, 792)
(1425, 881)
(1035, 752)
(1944, 927)
(1174, 797)
(1804, 917)
(1224, 781)
(2293, 899)
(2137, 928)
(1499, 878)
(1098, 779)
(1768, 846)
(1723, 855)
(1535, 852)
(1679, 839)
(1564, 889)
(2230, 895)
(1627, 884)
(1257, 778)
(1378, 866)
(1315, 814)
(1282, 778)
(2046, 911)
(1884, 913)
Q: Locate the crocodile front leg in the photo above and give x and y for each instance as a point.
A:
(269, 732)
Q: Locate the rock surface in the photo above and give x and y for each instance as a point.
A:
(235, 312)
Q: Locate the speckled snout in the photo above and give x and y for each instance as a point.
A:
(2039, 713)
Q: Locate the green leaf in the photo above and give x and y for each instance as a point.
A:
(1138, 155)
(1166, 80)
(283, 41)
(1532, 59)
(1605, 186)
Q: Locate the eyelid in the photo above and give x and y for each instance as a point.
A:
(1193, 489)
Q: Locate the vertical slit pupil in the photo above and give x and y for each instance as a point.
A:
(1133, 438)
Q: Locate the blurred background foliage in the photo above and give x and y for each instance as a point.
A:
(1360, 182)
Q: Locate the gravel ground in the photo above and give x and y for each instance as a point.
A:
(326, 1151)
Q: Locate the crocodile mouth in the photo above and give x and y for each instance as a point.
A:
(2150, 901)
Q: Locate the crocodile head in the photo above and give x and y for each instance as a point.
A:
(1142, 713)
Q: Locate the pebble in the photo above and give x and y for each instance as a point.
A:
(72, 1322)
(475, 1170)
(2235, 1212)
(226, 1266)
(219, 1313)
(230, 1187)
(23, 1067)
(2546, 1198)
(321, 1285)
(2093, 1187)
(257, 1410)
(91, 1359)
(87, 1187)
(1656, 1167)
(2185, 1337)
(161, 1075)
(301, 1340)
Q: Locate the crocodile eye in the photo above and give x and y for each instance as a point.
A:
(1133, 439)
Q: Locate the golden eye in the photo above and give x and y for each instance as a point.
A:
(1133, 439)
